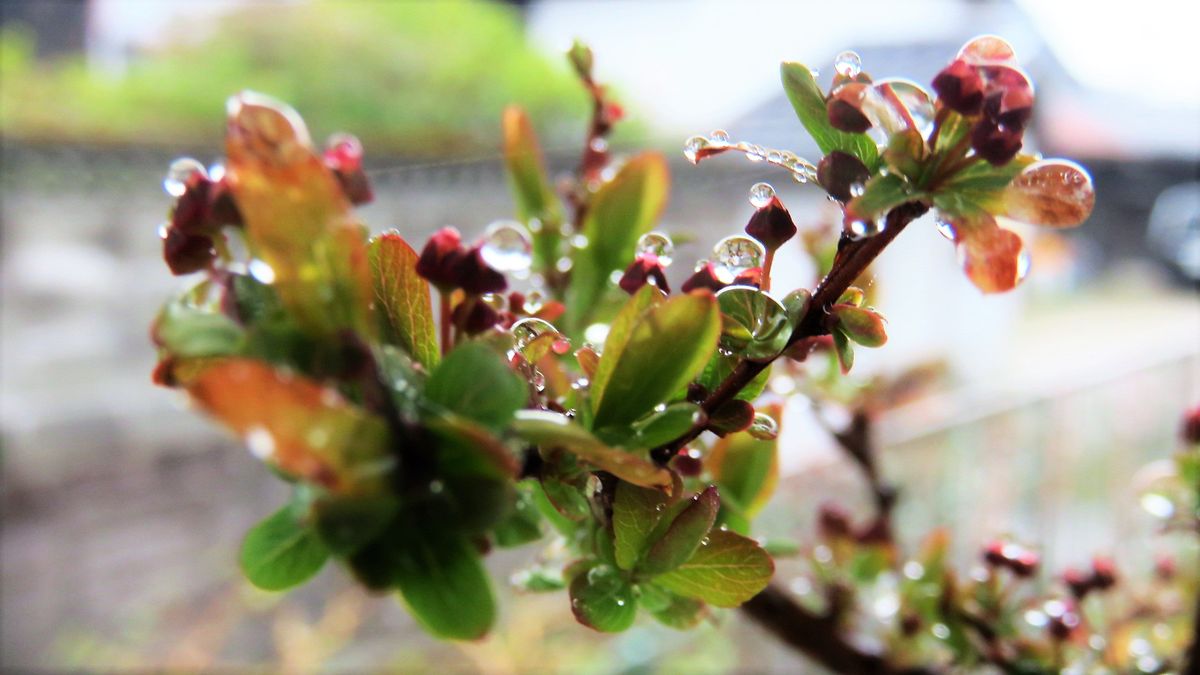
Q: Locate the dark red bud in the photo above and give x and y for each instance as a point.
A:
(475, 316)
(191, 209)
(772, 224)
(1104, 573)
(1060, 627)
(1078, 581)
(687, 464)
(1024, 564)
(1191, 426)
(833, 522)
(516, 302)
(1008, 96)
(644, 269)
(187, 253)
(344, 156)
(960, 87)
(731, 416)
(838, 171)
(995, 143)
(845, 108)
(696, 392)
(705, 277)
(993, 553)
(164, 373)
(440, 259)
(801, 349)
(476, 277)
(222, 209)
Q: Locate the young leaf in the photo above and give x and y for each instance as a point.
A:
(727, 571)
(1054, 193)
(531, 190)
(619, 333)
(992, 257)
(405, 311)
(190, 332)
(554, 430)
(603, 600)
(280, 552)
(844, 349)
(680, 613)
(523, 524)
(475, 382)
(443, 582)
(753, 323)
(881, 194)
(746, 468)
(685, 534)
(860, 325)
(721, 365)
(635, 513)
(346, 524)
(809, 104)
(296, 425)
(666, 349)
(622, 210)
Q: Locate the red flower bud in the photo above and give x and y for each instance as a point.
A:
(704, 277)
(1104, 573)
(475, 316)
(838, 171)
(960, 87)
(1024, 564)
(441, 258)
(1191, 426)
(772, 224)
(222, 209)
(191, 209)
(687, 464)
(477, 277)
(833, 522)
(187, 253)
(993, 553)
(845, 108)
(1008, 96)
(1078, 581)
(645, 268)
(343, 155)
(995, 143)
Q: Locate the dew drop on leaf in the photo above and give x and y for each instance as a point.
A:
(525, 331)
(848, 64)
(261, 271)
(764, 427)
(945, 228)
(596, 333)
(693, 147)
(657, 244)
(761, 194)
(506, 247)
(734, 255)
(261, 442)
(178, 174)
(719, 136)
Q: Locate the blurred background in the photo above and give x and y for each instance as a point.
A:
(122, 510)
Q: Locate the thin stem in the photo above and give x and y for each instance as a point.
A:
(890, 94)
(766, 271)
(444, 312)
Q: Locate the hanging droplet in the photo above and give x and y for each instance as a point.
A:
(657, 244)
(534, 301)
(596, 333)
(261, 442)
(560, 346)
(861, 229)
(946, 228)
(506, 247)
(216, 171)
(693, 147)
(178, 174)
(734, 255)
(719, 136)
(525, 331)
(261, 271)
(1023, 264)
(764, 427)
(848, 64)
(857, 189)
(761, 194)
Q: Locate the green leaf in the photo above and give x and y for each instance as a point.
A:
(553, 430)
(620, 331)
(279, 552)
(531, 189)
(809, 104)
(747, 468)
(346, 524)
(881, 194)
(475, 382)
(254, 300)
(681, 540)
(679, 612)
(402, 297)
(796, 304)
(443, 581)
(978, 188)
(753, 324)
(906, 154)
(565, 500)
(622, 210)
(666, 349)
(190, 332)
(727, 571)
(602, 599)
(721, 365)
(860, 325)
(523, 524)
(655, 429)
(636, 511)
(844, 349)
(539, 580)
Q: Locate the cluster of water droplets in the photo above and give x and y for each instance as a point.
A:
(734, 256)
(506, 247)
(178, 174)
(699, 148)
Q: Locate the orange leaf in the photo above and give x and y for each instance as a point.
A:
(1054, 193)
(295, 424)
(403, 297)
(993, 258)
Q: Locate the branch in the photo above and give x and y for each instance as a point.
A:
(1192, 658)
(851, 261)
(859, 443)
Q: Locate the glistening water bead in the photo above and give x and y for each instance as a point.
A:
(178, 174)
(657, 244)
(763, 427)
(506, 247)
(693, 147)
(861, 229)
(848, 64)
(525, 331)
(761, 194)
(733, 256)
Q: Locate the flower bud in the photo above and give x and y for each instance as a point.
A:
(845, 108)
(645, 268)
(1008, 96)
(344, 156)
(838, 171)
(186, 253)
(1191, 427)
(1104, 573)
(687, 464)
(1078, 581)
(704, 277)
(222, 208)
(833, 522)
(960, 88)
(476, 277)
(475, 316)
(440, 259)
(995, 143)
(190, 215)
(772, 224)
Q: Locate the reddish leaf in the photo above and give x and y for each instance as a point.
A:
(861, 325)
(403, 296)
(993, 257)
(987, 49)
(1054, 193)
(746, 468)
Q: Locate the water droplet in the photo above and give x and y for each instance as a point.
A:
(261, 271)
(940, 631)
(719, 136)
(216, 171)
(561, 346)
(534, 301)
(857, 189)
(1023, 264)
(657, 244)
(800, 586)
(734, 255)
(764, 427)
(538, 380)
(1157, 505)
(563, 265)
(848, 64)
(261, 442)
(914, 569)
(506, 246)
(436, 486)
(163, 227)
(178, 174)
(1036, 618)
(596, 333)
(705, 541)
(693, 147)
(761, 194)
(913, 98)
(861, 229)
(598, 145)
(660, 507)
(525, 331)
(946, 228)
(581, 384)
(494, 300)
(579, 241)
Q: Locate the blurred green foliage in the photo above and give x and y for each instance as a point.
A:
(408, 77)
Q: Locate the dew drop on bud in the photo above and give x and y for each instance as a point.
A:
(734, 255)
(761, 194)
(261, 271)
(848, 64)
(534, 301)
(719, 136)
(862, 229)
(946, 228)
(693, 147)
(526, 331)
(657, 244)
(495, 301)
(857, 189)
(764, 427)
(1023, 264)
(178, 174)
(506, 247)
